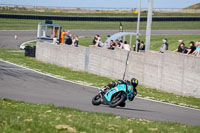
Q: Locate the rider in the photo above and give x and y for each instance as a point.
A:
(133, 83)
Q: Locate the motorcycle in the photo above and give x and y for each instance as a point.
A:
(115, 96)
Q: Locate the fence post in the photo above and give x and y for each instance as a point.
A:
(138, 25)
(148, 29)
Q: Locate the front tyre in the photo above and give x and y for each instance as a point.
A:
(96, 100)
(117, 100)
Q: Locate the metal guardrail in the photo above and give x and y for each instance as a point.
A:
(71, 18)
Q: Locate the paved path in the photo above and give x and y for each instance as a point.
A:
(22, 84)
(7, 36)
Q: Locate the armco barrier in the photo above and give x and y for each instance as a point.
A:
(172, 72)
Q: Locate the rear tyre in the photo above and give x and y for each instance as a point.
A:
(122, 104)
(117, 100)
(96, 100)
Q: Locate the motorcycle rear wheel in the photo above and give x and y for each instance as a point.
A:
(96, 100)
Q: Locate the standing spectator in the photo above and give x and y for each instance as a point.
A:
(62, 37)
(164, 46)
(142, 46)
(126, 46)
(192, 48)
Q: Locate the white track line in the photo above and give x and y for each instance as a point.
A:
(94, 86)
(1, 68)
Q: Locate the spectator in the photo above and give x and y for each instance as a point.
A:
(112, 45)
(192, 48)
(126, 46)
(142, 46)
(164, 46)
(197, 50)
(179, 46)
(134, 49)
(183, 49)
(73, 40)
(99, 43)
(118, 44)
(62, 37)
(68, 40)
(121, 44)
(76, 41)
(94, 41)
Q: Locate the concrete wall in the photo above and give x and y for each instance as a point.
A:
(172, 72)
(62, 55)
(108, 63)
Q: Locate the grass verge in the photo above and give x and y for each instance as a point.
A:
(25, 117)
(17, 56)
(26, 24)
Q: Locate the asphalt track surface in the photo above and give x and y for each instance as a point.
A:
(26, 85)
(7, 36)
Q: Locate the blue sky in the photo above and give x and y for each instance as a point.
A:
(103, 3)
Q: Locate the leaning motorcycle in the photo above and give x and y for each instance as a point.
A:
(115, 96)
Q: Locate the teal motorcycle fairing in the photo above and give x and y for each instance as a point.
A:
(127, 89)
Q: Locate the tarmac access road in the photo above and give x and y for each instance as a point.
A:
(7, 36)
(23, 84)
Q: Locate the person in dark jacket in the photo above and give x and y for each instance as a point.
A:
(142, 46)
(192, 48)
(68, 40)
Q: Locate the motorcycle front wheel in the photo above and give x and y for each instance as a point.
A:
(117, 100)
(96, 100)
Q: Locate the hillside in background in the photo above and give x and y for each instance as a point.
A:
(195, 6)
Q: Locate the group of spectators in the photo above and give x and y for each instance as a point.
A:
(119, 44)
(69, 39)
(140, 46)
(113, 44)
(72, 40)
(194, 48)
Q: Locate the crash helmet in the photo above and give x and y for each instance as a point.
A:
(134, 82)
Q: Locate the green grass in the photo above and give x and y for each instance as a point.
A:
(25, 117)
(23, 24)
(17, 56)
